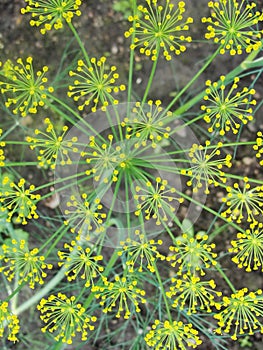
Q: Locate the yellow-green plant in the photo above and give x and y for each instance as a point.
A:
(122, 176)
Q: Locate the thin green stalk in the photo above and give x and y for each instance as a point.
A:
(80, 43)
(208, 62)
(225, 278)
(163, 292)
(150, 80)
(131, 63)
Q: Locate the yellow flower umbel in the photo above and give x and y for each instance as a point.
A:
(192, 254)
(94, 83)
(102, 157)
(18, 200)
(84, 216)
(259, 146)
(243, 204)
(172, 335)
(53, 150)
(27, 87)
(192, 292)
(248, 249)
(241, 313)
(64, 316)
(157, 200)
(49, 14)
(226, 111)
(206, 167)
(120, 293)
(143, 252)
(26, 264)
(233, 25)
(160, 28)
(9, 323)
(80, 262)
(2, 155)
(147, 123)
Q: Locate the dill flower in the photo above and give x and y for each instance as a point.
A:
(141, 251)
(206, 168)
(27, 86)
(27, 264)
(247, 201)
(191, 291)
(80, 261)
(160, 27)
(259, 146)
(2, 155)
(241, 313)
(95, 82)
(102, 157)
(120, 293)
(227, 111)
(230, 26)
(49, 14)
(18, 200)
(147, 122)
(192, 254)
(156, 200)
(64, 316)
(84, 216)
(248, 249)
(8, 321)
(53, 149)
(172, 335)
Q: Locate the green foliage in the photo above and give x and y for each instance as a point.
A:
(122, 211)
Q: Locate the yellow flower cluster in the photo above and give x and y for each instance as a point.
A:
(141, 250)
(18, 200)
(247, 201)
(172, 335)
(226, 110)
(65, 316)
(192, 254)
(95, 83)
(23, 263)
(9, 321)
(259, 146)
(53, 150)
(51, 13)
(230, 26)
(120, 293)
(206, 168)
(147, 123)
(103, 157)
(156, 200)
(242, 310)
(248, 248)
(192, 292)
(159, 28)
(84, 216)
(27, 87)
(80, 262)
(2, 155)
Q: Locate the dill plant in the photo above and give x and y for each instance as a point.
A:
(121, 173)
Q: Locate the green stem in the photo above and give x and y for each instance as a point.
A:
(208, 62)
(131, 63)
(225, 278)
(81, 45)
(160, 282)
(149, 84)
